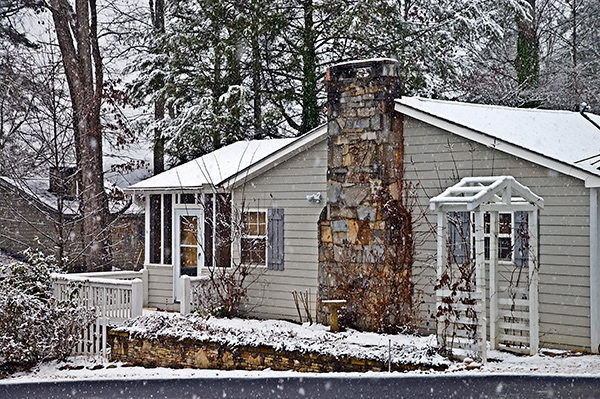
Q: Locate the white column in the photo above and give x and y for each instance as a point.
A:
(186, 295)
(137, 297)
(493, 280)
(594, 270)
(480, 282)
(534, 329)
(442, 253)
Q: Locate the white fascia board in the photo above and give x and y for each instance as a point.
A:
(496, 143)
(303, 143)
(163, 190)
(595, 270)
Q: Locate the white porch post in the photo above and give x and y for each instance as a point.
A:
(441, 263)
(137, 297)
(480, 281)
(185, 304)
(493, 280)
(534, 329)
(595, 269)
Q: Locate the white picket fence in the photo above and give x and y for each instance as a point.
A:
(115, 297)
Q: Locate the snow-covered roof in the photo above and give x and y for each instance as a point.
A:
(229, 165)
(38, 188)
(566, 141)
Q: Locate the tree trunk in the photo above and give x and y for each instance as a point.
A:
(76, 31)
(527, 62)
(158, 22)
(310, 108)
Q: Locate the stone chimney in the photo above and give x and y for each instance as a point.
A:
(365, 162)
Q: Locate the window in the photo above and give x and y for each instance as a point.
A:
(505, 236)
(513, 237)
(254, 238)
(262, 241)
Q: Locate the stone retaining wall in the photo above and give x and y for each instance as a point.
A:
(175, 353)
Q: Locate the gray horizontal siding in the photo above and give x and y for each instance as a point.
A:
(435, 160)
(160, 287)
(286, 186)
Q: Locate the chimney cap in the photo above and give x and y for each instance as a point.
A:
(364, 68)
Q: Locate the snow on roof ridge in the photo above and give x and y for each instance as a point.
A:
(491, 106)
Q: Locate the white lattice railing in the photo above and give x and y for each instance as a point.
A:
(189, 292)
(115, 296)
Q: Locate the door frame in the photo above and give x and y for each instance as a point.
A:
(177, 214)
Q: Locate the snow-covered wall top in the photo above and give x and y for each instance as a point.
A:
(215, 167)
(564, 136)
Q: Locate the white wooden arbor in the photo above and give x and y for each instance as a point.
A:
(512, 280)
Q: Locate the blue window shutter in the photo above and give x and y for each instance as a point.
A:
(459, 237)
(521, 226)
(275, 237)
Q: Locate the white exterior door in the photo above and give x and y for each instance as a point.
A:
(188, 239)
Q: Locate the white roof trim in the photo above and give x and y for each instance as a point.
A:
(590, 179)
(302, 143)
(472, 192)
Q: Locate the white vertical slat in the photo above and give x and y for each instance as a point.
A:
(480, 282)
(533, 283)
(441, 263)
(493, 280)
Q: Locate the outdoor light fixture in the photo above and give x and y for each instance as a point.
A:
(316, 198)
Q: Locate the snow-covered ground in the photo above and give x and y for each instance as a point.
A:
(284, 335)
(100, 369)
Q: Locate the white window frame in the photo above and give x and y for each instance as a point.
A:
(487, 234)
(265, 236)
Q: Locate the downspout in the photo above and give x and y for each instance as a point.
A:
(595, 269)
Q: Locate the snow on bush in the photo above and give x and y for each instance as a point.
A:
(282, 335)
(34, 326)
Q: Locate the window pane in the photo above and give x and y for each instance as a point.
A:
(262, 223)
(189, 230)
(504, 248)
(189, 261)
(187, 198)
(486, 223)
(486, 248)
(505, 223)
(254, 250)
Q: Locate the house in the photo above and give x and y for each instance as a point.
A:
(315, 200)
(44, 207)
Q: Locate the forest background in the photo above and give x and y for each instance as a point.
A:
(186, 77)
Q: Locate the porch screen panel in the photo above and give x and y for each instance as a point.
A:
(167, 236)
(155, 246)
(223, 230)
(208, 230)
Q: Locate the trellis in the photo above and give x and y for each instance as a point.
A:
(462, 304)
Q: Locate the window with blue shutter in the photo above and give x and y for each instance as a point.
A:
(275, 237)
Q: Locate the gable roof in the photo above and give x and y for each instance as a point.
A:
(230, 165)
(565, 141)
